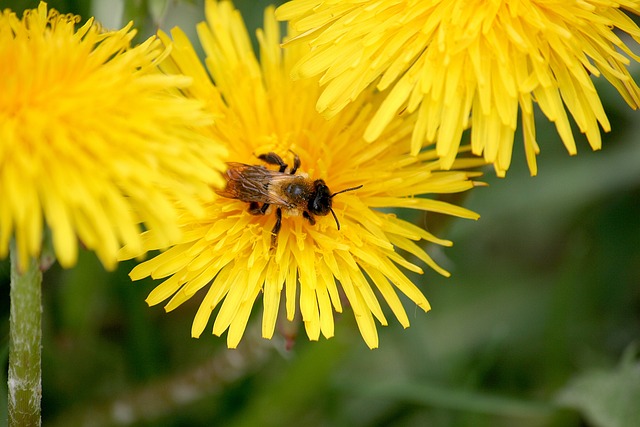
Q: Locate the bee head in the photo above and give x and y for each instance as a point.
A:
(320, 202)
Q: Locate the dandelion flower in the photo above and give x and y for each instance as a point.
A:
(461, 64)
(312, 268)
(94, 140)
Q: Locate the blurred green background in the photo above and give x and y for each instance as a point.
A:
(538, 325)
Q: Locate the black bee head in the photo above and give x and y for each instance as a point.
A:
(320, 200)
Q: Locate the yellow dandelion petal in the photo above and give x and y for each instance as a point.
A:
(315, 264)
(94, 140)
(273, 283)
(460, 64)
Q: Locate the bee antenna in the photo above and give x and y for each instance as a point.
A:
(334, 194)
(344, 191)
(336, 218)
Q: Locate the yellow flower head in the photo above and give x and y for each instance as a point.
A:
(460, 63)
(93, 139)
(233, 252)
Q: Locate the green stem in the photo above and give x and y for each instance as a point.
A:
(25, 383)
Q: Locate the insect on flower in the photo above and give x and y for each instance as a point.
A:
(262, 187)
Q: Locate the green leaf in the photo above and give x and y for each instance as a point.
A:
(606, 398)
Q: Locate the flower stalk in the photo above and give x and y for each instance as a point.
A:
(25, 372)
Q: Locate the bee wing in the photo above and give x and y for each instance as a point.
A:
(252, 183)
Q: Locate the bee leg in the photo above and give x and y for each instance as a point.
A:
(273, 159)
(276, 227)
(255, 209)
(308, 216)
(296, 163)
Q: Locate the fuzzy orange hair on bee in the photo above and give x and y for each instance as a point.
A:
(262, 187)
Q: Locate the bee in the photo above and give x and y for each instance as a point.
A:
(262, 187)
